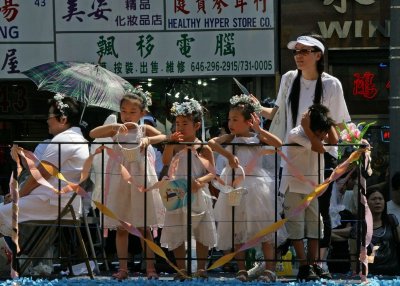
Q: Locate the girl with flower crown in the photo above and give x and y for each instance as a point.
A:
(257, 206)
(188, 121)
(127, 200)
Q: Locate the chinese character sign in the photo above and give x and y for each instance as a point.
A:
(174, 54)
(140, 38)
(364, 85)
(220, 14)
(109, 15)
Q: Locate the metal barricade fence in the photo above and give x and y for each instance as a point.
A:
(189, 258)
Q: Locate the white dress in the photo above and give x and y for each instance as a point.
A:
(124, 199)
(174, 232)
(257, 207)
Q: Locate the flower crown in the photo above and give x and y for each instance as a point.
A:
(60, 104)
(186, 108)
(245, 99)
(145, 95)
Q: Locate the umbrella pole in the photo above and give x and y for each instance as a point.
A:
(83, 111)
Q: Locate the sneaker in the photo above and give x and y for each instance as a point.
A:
(306, 273)
(321, 272)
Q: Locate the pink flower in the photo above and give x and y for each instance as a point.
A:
(357, 134)
(352, 127)
(344, 134)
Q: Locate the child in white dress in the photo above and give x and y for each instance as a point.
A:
(126, 200)
(188, 121)
(256, 210)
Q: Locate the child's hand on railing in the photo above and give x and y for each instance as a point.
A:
(144, 143)
(175, 137)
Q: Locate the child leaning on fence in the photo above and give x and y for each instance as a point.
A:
(256, 209)
(315, 129)
(188, 116)
(124, 199)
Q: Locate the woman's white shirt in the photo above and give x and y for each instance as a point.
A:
(332, 98)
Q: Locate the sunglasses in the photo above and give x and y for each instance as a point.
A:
(303, 52)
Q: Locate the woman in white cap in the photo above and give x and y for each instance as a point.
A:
(299, 89)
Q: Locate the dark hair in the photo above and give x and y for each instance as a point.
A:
(214, 131)
(245, 109)
(396, 181)
(319, 119)
(197, 115)
(294, 96)
(134, 96)
(72, 112)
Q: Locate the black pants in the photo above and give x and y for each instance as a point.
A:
(324, 201)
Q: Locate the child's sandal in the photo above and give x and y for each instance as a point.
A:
(267, 276)
(242, 275)
(152, 275)
(122, 274)
(201, 274)
(181, 275)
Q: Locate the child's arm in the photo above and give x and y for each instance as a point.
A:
(199, 182)
(168, 154)
(316, 143)
(215, 144)
(333, 137)
(154, 136)
(103, 131)
(169, 149)
(264, 135)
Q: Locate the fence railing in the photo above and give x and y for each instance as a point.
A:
(189, 258)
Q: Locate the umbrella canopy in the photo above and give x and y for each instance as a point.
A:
(90, 84)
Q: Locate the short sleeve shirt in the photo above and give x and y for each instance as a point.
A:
(69, 163)
(332, 98)
(303, 159)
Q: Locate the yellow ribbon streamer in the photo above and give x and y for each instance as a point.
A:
(318, 190)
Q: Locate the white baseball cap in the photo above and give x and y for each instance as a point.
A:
(307, 41)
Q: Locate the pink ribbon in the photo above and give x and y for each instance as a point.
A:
(15, 232)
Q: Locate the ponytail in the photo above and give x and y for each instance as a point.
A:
(294, 98)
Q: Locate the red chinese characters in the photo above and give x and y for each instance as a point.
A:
(363, 85)
(9, 10)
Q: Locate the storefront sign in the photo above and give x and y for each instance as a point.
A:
(140, 38)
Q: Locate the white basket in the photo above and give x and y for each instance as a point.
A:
(235, 197)
(234, 194)
(131, 154)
